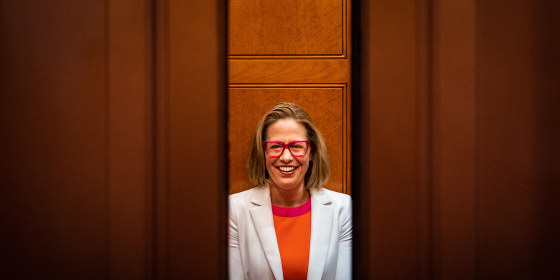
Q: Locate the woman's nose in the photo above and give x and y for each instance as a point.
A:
(286, 155)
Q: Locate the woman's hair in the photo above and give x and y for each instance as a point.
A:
(318, 172)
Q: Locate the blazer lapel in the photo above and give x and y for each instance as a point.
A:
(262, 218)
(321, 226)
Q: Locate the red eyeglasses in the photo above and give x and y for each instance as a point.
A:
(276, 149)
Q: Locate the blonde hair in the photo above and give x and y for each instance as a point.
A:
(318, 172)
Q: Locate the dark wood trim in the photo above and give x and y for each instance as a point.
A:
(130, 147)
(391, 137)
(192, 140)
(453, 145)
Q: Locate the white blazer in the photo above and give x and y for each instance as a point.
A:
(253, 249)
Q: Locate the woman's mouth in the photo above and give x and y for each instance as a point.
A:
(287, 170)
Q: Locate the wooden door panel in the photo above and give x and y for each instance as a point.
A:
(289, 71)
(295, 51)
(76, 120)
(326, 104)
(287, 27)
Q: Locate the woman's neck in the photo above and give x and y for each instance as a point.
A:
(288, 198)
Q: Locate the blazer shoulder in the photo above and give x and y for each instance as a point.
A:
(336, 194)
(338, 197)
(338, 200)
(256, 195)
(241, 195)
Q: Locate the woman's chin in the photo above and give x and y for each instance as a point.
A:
(287, 184)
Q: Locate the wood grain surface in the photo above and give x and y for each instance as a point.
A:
(287, 27)
(289, 71)
(326, 104)
(295, 51)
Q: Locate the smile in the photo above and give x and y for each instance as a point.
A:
(287, 169)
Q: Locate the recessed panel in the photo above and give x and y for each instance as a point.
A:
(286, 27)
(325, 105)
(284, 71)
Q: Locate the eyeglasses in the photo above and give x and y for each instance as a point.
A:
(276, 149)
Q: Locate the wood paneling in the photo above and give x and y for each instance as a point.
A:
(82, 195)
(289, 71)
(391, 210)
(438, 150)
(456, 177)
(289, 27)
(453, 140)
(53, 167)
(75, 105)
(191, 140)
(130, 114)
(326, 104)
(294, 51)
(518, 175)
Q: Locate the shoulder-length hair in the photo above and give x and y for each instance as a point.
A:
(318, 172)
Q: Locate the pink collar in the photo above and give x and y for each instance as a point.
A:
(292, 211)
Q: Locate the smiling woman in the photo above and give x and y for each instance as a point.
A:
(289, 226)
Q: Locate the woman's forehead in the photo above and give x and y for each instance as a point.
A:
(286, 130)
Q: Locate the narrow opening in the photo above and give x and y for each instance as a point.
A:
(278, 53)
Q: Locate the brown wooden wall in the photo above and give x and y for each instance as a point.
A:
(294, 51)
(104, 107)
(54, 141)
(457, 109)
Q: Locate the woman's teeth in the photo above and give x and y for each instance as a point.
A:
(286, 168)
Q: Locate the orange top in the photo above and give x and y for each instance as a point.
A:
(293, 232)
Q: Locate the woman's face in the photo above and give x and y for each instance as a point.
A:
(287, 172)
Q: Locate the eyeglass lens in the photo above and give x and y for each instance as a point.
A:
(298, 148)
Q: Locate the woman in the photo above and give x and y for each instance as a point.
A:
(289, 227)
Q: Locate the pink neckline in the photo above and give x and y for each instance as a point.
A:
(292, 211)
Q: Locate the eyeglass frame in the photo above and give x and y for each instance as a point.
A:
(284, 147)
